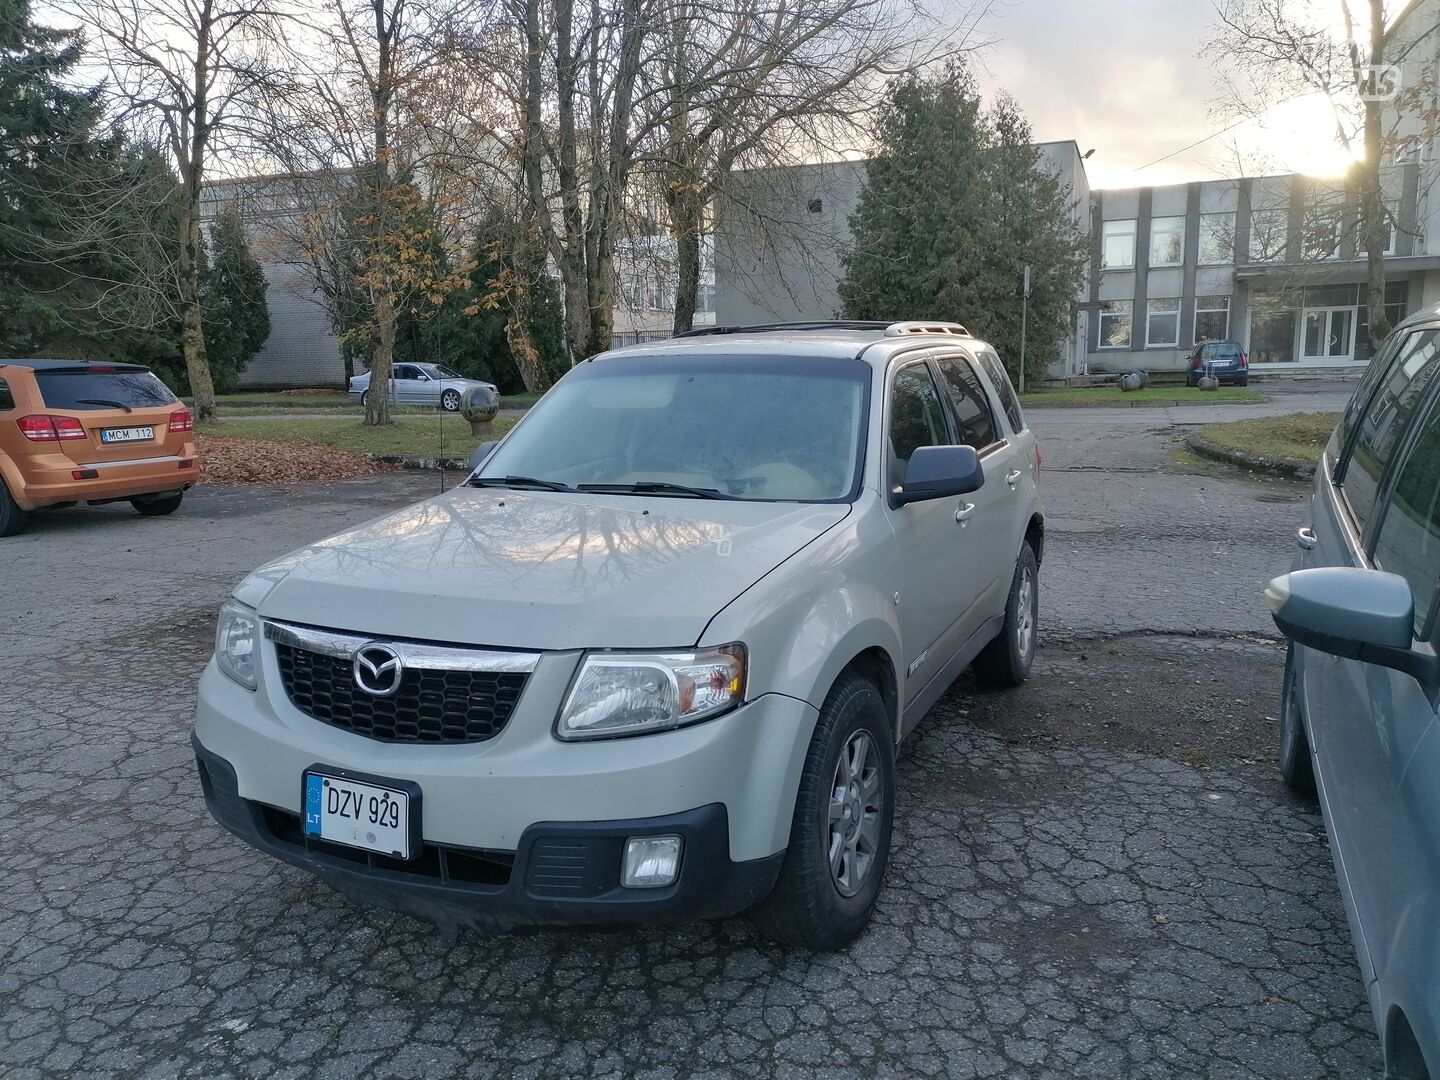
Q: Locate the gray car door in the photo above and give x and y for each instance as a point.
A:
(991, 539)
(409, 385)
(936, 581)
(1363, 721)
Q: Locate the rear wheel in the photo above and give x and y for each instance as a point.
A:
(364, 398)
(1244, 380)
(840, 836)
(12, 519)
(157, 507)
(1297, 767)
(1005, 662)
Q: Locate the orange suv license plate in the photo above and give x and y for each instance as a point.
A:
(126, 434)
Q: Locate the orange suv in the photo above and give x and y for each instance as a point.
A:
(73, 431)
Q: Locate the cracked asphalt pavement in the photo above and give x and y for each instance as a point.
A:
(1098, 875)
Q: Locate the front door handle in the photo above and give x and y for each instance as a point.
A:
(962, 515)
(1012, 477)
(1306, 538)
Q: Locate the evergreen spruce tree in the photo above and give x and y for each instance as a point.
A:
(232, 295)
(45, 136)
(956, 204)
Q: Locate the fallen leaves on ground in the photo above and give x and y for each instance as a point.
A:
(255, 461)
(312, 392)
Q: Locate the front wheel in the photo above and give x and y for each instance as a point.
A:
(157, 507)
(840, 836)
(450, 401)
(1005, 662)
(1297, 767)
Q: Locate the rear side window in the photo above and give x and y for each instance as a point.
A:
(916, 416)
(1001, 380)
(1408, 542)
(102, 390)
(1384, 422)
(974, 424)
(7, 399)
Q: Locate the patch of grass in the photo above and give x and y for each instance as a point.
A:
(1296, 439)
(437, 433)
(1150, 395)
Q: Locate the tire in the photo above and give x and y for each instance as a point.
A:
(1297, 767)
(12, 519)
(450, 401)
(1006, 661)
(364, 399)
(812, 906)
(157, 507)
(1244, 380)
(1190, 382)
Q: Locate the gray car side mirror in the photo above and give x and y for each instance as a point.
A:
(1365, 615)
(938, 472)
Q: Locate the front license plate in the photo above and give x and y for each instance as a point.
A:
(127, 434)
(371, 816)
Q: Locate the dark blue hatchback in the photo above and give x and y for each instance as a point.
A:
(1226, 360)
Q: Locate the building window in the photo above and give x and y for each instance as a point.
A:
(1269, 231)
(705, 298)
(1212, 318)
(1272, 333)
(1115, 322)
(1162, 322)
(1320, 233)
(1390, 226)
(1118, 250)
(1217, 238)
(1167, 241)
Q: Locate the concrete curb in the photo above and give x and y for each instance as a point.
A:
(1150, 403)
(1297, 470)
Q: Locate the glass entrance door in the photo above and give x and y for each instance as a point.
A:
(1329, 333)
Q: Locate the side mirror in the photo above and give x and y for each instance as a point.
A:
(938, 472)
(1365, 615)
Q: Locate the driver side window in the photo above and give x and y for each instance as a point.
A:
(916, 417)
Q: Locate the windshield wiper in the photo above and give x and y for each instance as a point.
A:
(656, 487)
(520, 482)
(103, 401)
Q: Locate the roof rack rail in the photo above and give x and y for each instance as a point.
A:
(812, 324)
(890, 329)
(903, 329)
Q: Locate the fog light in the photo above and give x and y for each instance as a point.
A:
(651, 862)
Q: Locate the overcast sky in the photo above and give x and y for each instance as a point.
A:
(1124, 77)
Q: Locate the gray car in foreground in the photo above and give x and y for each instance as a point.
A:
(1362, 681)
(432, 385)
(652, 660)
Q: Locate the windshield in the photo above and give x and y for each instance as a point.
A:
(783, 428)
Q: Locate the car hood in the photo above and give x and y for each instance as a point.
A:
(538, 570)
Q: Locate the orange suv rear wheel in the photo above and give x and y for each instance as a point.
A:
(12, 519)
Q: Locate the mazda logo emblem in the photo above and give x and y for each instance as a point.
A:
(378, 669)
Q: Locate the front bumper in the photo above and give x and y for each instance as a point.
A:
(560, 873)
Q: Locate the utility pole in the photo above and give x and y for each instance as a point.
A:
(1024, 322)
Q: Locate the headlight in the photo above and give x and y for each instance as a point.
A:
(636, 693)
(236, 636)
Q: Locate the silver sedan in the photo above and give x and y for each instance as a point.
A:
(420, 384)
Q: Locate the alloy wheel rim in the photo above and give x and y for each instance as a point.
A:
(856, 797)
(1025, 624)
(451, 401)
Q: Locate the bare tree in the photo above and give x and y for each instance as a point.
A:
(181, 70)
(755, 83)
(1272, 51)
(338, 117)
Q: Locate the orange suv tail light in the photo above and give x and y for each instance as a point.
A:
(40, 428)
(181, 421)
